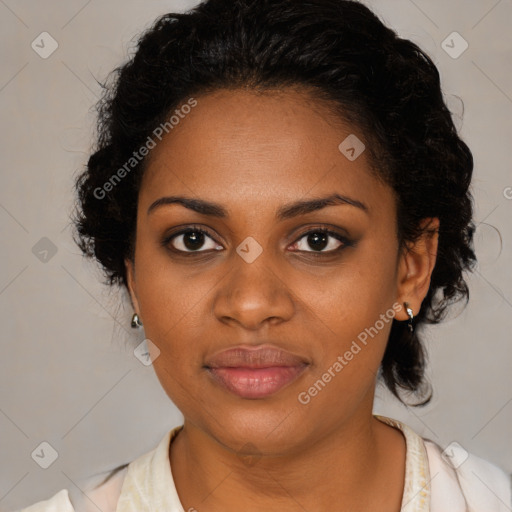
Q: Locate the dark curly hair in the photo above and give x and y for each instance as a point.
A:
(344, 55)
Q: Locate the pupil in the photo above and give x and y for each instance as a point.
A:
(318, 240)
(196, 239)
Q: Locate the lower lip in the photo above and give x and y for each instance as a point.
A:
(256, 382)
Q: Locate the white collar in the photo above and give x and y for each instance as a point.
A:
(149, 484)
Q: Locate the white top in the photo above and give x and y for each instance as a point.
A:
(453, 481)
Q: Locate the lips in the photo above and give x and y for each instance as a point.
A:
(255, 372)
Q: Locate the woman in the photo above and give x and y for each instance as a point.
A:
(280, 187)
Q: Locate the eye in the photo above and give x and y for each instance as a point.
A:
(195, 239)
(320, 239)
(190, 240)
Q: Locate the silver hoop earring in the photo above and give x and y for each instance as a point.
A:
(410, 315)
(136, 323)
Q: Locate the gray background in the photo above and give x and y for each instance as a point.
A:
(68, 374)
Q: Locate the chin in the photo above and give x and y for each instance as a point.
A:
(262, 427)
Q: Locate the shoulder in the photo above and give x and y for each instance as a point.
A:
(58, 503)
(103, 492)
(103, 496)
(462, 476)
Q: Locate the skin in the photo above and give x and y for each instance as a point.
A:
(252, 154)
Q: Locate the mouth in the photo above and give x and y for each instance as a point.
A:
(254, 373)
(256, 382)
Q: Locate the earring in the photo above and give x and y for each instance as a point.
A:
(136, 323)
(411, 316)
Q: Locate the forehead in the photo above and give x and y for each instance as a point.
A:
(241, 147)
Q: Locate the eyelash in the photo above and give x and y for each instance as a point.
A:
(197, 229)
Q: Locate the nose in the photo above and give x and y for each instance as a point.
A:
(253, 294)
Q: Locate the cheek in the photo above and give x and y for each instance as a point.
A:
(168, 292)
(358, 291)
(353, 313)
(173, 307)
(352, 330)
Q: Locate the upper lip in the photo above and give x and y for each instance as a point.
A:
(243, 356)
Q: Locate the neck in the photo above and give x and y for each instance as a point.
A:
(348, 466)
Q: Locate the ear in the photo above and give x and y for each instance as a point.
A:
(130, 280)
(415, 267)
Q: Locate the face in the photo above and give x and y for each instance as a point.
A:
(320, 282)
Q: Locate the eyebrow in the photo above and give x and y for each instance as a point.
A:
(287, 211)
